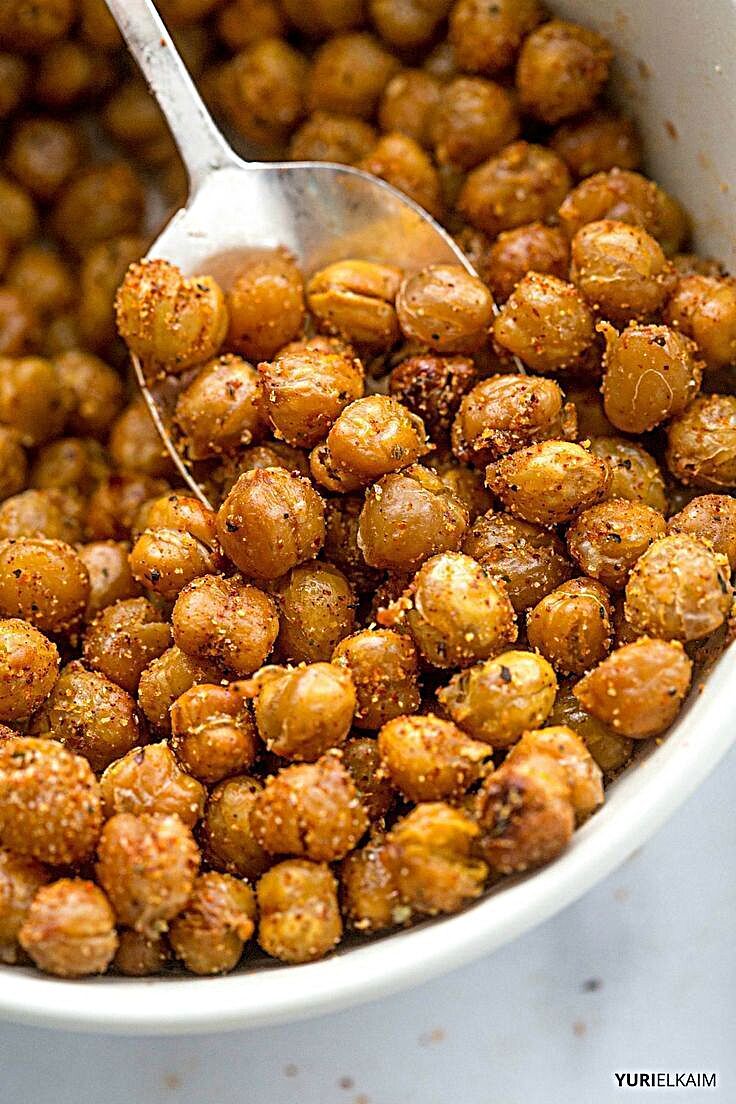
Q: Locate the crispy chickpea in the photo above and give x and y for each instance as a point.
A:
(318, 18)
(620, 269)
(262, 91)
(221, 409)
(498, 700)
(610, 750)
(149, 780)
(712, 518)
(310, 809)
(408, 103)
(29, 664)
(445, 309)
(474, 119)
(561, 69)
(598, 142)
(432, 387)
(102, 269)
(20, 880)
(113, 506)
(124, 638)
(546, 323)
(370, 899)
(372, 437)
(317, 610)
(19, 326)
(44, 582)
(227, 622)
(70, 929)
(430, 759)
(178, 545)
(704, 308)
(299, 915)
(549, 483)
(521, 184)
(305, 392)
(13, 463)
(52, 514)
(534, 248)
(33, 398)
(212, 732)
(639, 689)
(303, 712)
(571, 626)
(165, 679)
(327, 136)
(607, 539)
(44, 279)
(110, 579)
(135, 444)
(701, 443)
(227, 836)
(271, 521)
(266, 305)
(402, 162)
(349, 74)
(147, 865)
(43, 154)
(486, 38)
(99, 202)
(361, 757)
(49, 801)
(139, 956)
(429, 854)
(97, 392)
(383, 666)
(678, 589)
(635, 474)
(625, 197)
(217, 922)
(168, 320)
(355, 300)
(566, 748)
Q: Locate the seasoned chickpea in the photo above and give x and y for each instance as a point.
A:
(101, 272)
(165, 679)
(408, 103)
(534, 248)
(139, 956)
(50, 514)
(498, 700)
(71, 464)
(271, 521)
(598, 142)
(327, 136)
(635, 474)
(33, 398)
(608, 539)
(639, 689)
(678, 589)
(227, 836)
(610, 750)
(124, 638)
(429, 855)
(49, 801)
(429, 759)
(13, 463)
(317, 610)
(44, 279)
(262, 91)
(217, 922)
(372, 437)
(304, 392)
(626, 197)
(213, 733)
(486, 38)
(110, 579)
(99, 202)
(29, 664)
(546, 323)
(562, 67)
(361, 757)
(149, 780)
(97, 392)
(113, 506)
(44, 582)
(70, 929)
(227, 622)
(571, 626)
(446, 309)
(402, 162)
(620, 269)
(701, 443)
(712, 518)
(370, 899)
(383, 666)
(432, 387)
(549, 483)
(20, 880)
(303, 712)
(168, 320)
(299, 915)
(523, 183)
(349, 74)
(135, 444)
(147, 865)
(43, 154)
(178, 544)
(355, 300)
(566, 748)
(221, 409)
(311, 809)
(474, 119)
(266, 305)
(704, 308)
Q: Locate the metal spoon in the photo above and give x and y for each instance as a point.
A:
(319, 211)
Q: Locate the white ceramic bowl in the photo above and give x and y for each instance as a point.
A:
(677, 72)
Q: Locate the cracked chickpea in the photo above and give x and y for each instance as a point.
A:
(20, 880)
(149, 780)
(226, 622)
(302, 712)
(212, 732)
(354, 300)
(712, 518)
(209, 935)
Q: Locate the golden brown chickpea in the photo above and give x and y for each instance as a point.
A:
(711, 518)
(432, 387)
(43, 154)
(405, 24)
(355, 300)
(18, 217)
(72, 464)
(474, 119)
(33, 398)
(211, 932)
(19, 325)
(262, 91)
(213, 733)
(135, 444)
(227, 837)
(429, 759)
(486, 38)
(408, 103)
(29, 664)
(546, 323)
(221, 409)
(13, 463)
(383, 666)
(678, 590)
(100, 202)
(69, 72)
(498, 700)
(635, 474)
(562, 67)
(597, 143)
(535, 248)
(701, 443)
(303, 712)
(370, 899)
(91, 716)
(326, 136)
(110, 579)
(523, 183)
(123, 639)
(243, 22)
(305, 392)
(49, 802)
(566, 748)
(178, 544)
(266, 305)
(20, 880)
(97, 392)
(317, 610)
(165, 679)
(51, 514)
(402, 162)
(525, 814)
(271, 521)
(445, 309)
(349, 74)
(149, 780)
(620, 269)
(168, 320)
(704, 308)
(147, 865)
(571, 626)
(360, 756)
(429, 855)
(43, 279)
(102, 269)
(609, 749)
(44, 582)
(227, 622)
(139, 956)
(113, 506)
(15, 75)
(549, 483)
(608, 539)
(638, 690)
(70, 929)
(299, 915)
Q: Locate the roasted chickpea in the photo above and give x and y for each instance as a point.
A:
(70, 72)
(486, 39)
(275, 454)
(50, 514)
(262, 91)
(266, 305)
(139, 956)
(565, 747)
(355, 300)
(327, 136)
(317, 610)
(13, 463)
(361, 757)
(33, 399)
(383, 666)
(349, 74)
(429, 759)
(177, 545)
(635, 474)
(610, 750)
(549, 483)
(620, 269)
(598, 142)
(218, 920)
(44, 582)
(110, 579)
(712, 518)
(221, 409)
(432, 387)
(213, 733)
(301, 713)
(370, 899)
(49, 801)
(72, 464)
(474, 119)
(408, 103)
(43, 154)
(546, 323)
(101, 273)
(96, 390)
(305, 392)
(20, 881)
(124, 638)
(402, 162)
(701, 443)
(135, 443)
(29, 664)
(165, 679)
(225, 621)
(607, 539)
(678, 589)
(639, 689)
(318, 18)
(46, 281)
(523, 183)
(298, 909)
(99, 202)
(562, 67)
(149, 780)
(571, 626)
(444, 308)
(70, 929)
(113, 506)
(535, 248)
(227, 837)
(704, 308)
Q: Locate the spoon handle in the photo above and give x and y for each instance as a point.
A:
(201, 145)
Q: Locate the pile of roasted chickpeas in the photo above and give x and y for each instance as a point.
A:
(436, 601)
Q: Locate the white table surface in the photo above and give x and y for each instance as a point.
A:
(638, 975)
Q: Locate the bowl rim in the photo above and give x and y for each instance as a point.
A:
(638, 802)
